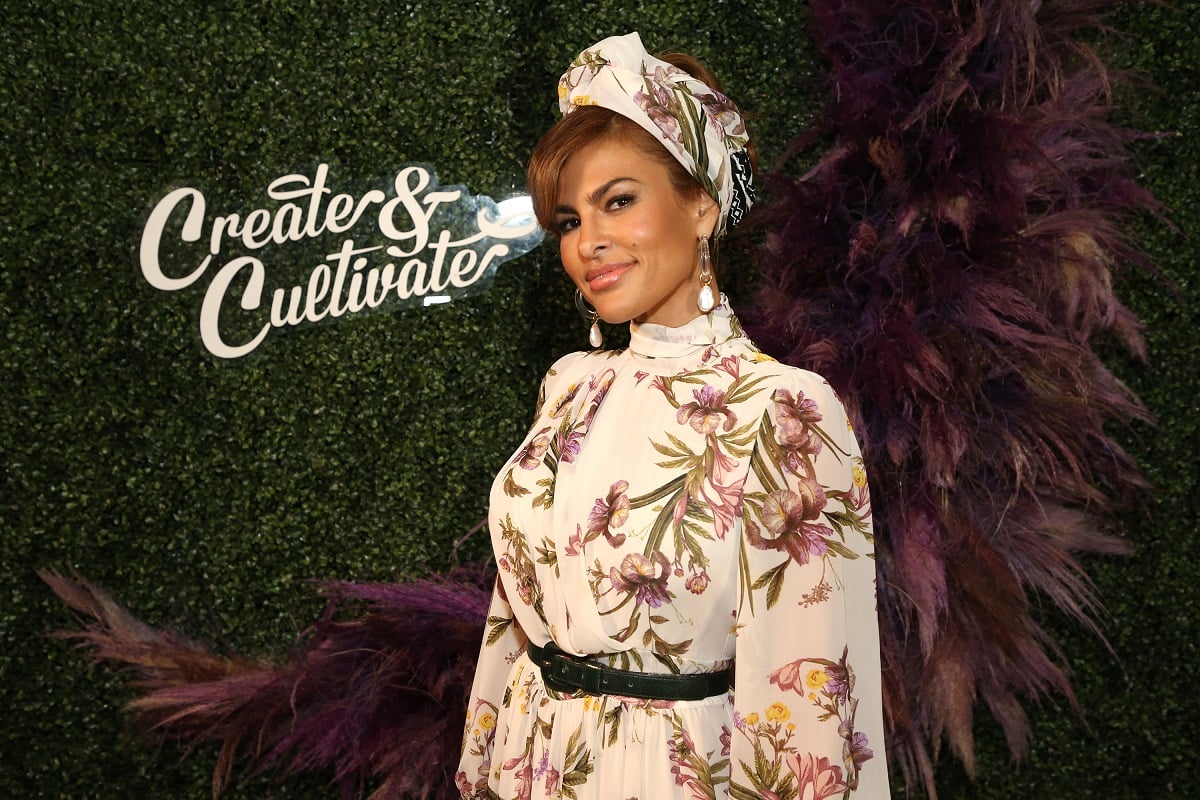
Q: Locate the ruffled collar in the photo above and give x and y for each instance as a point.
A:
(707, 330)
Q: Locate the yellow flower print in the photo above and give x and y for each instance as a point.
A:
(816, 678)
(778, 712)
(860, 475)
(487, 721)
(583, 100)
(563, 89)
(752, 718)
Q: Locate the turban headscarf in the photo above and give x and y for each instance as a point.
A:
(698, 125)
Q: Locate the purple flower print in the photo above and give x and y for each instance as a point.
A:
(725, 503)
(657, 104)
(662, 118)
(855, 751)
(790, 677)
(575, 542)
(824, 680)
(530, 456)
(681, 750)
(524, 775)
(722, 114)
(525, 591)
(600, 385)
(608, 513)
(841, 680)
(680, 745)
(795, 421)
(789, 517)
(730, 365)
(553, 779)
(697, 582)
(680, 508)
(816, 773)
(568, 442)
(707, 412)
(660, 383)
(645, 577)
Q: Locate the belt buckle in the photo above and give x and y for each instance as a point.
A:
(567, 672)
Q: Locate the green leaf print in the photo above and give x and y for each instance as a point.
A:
(496, 628)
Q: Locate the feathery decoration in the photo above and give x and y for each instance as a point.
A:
(947, 265)
(378, 698)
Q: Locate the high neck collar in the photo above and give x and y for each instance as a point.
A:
(660, 341)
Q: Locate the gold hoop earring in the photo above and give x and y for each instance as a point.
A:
(595, 337)
(707, 301)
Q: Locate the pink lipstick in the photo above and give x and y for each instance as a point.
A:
(604, 276)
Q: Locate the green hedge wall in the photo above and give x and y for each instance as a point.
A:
(204, 493)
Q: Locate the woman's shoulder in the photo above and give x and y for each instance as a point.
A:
(790, 385)
(580, 362)
(765, 368)
(797, 400)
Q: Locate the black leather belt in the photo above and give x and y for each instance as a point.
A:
(565, 672)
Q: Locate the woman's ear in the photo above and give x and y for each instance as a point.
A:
(707, 215)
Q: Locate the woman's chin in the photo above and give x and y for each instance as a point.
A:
(614, 312)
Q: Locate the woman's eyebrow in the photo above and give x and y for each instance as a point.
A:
(595, 196)
(601, 190)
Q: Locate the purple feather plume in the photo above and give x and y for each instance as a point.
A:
(948, 265)
(378, 700)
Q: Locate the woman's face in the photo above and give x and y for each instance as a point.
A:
(627, 239)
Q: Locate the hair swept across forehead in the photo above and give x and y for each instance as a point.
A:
(574, 133)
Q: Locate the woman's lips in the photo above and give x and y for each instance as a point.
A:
(602, 277)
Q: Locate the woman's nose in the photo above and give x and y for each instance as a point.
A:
(593, 239)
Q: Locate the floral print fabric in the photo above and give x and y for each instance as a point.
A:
(681, 506)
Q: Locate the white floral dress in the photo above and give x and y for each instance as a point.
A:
(681, 506)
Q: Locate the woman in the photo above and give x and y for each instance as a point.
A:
(685, 605)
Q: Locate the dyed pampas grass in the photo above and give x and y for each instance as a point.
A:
(376, 698)
(948, 265)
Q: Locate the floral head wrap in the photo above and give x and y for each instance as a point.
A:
(698, 125)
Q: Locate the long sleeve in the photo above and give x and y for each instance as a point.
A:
(808, 717)
(503, 641)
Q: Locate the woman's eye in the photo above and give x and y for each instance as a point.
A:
(566, 225)
(620, 201)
